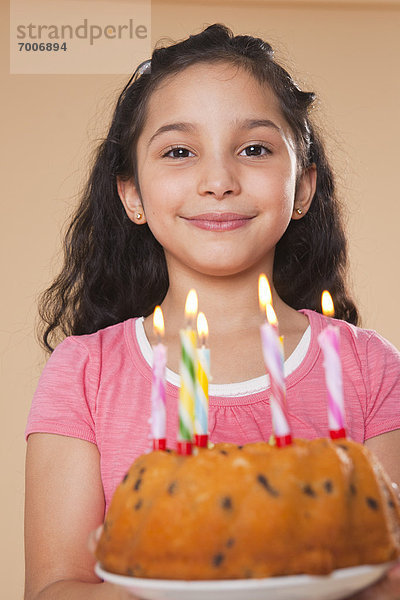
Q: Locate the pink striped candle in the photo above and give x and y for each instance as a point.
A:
(158, 405)
(329, 340)
(273, 358)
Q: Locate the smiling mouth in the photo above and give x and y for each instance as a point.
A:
(219, 221)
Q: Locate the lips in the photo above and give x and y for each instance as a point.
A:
(219, 221)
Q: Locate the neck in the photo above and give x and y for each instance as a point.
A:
(234, 317)
(230, 303)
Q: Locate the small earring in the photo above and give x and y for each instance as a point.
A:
(139, 216)
(299, 211)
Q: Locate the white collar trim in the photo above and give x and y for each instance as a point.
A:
(241, 388)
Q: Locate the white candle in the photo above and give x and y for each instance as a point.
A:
(158, 399)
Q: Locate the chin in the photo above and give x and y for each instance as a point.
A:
(222, 270)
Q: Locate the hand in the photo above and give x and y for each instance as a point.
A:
(387, 588)
(94, 537)
(119, 592)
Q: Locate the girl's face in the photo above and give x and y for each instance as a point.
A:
(217, 171)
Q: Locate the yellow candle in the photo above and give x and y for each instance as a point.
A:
(202, 378)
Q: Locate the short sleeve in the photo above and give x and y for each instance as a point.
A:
(65, 400)
(383, 387)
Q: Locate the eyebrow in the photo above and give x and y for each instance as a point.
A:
(190, 128)
(185, 127)
(253, 123)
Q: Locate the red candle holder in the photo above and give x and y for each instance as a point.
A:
(159, 444)
(201, 440)
(283, 440)
(336, 434)
(185, 448)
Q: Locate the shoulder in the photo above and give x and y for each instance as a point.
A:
(83, 359)
(66, 397)
(368, 360)
(361, 341)
(370, 365)
(103, 341)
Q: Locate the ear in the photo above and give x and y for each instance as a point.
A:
(130, 198)
(305, 191)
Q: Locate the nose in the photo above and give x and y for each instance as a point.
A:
(218, 179)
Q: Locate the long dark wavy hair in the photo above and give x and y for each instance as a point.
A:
(114, 269)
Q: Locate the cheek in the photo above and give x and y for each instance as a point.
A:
(160, 204)
(163, 208)
(290, 175)
(289, 191)
(288, 186)
(278, 192)
(162, 193)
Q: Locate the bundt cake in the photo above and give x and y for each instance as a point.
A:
(251, 511)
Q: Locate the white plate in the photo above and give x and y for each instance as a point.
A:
(338, 584)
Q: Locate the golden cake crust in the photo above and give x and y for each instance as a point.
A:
(251, 511)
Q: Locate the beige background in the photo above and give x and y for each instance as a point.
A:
(347, 51)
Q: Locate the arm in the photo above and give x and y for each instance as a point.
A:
(64, 503)
(386, 448)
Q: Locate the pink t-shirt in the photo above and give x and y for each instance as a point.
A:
(97, 387)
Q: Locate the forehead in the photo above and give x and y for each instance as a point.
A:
(213, 93)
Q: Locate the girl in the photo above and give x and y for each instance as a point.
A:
(211, 173)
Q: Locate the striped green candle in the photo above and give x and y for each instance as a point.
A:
(186, 408)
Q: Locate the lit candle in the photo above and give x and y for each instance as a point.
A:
(188, 376)
(329, 340)
(265, 299)
(202, 378)
(158, 408)
(273, 358)
(264, 293)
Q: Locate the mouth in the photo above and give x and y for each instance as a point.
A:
(219, 221)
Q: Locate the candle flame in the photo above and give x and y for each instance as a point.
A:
(327, 304)
(264, 292)
(191, 305)
(202, 328)
(271, 315)
(158, 321)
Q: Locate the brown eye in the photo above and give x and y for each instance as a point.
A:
(177, 152)
(256, 150)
